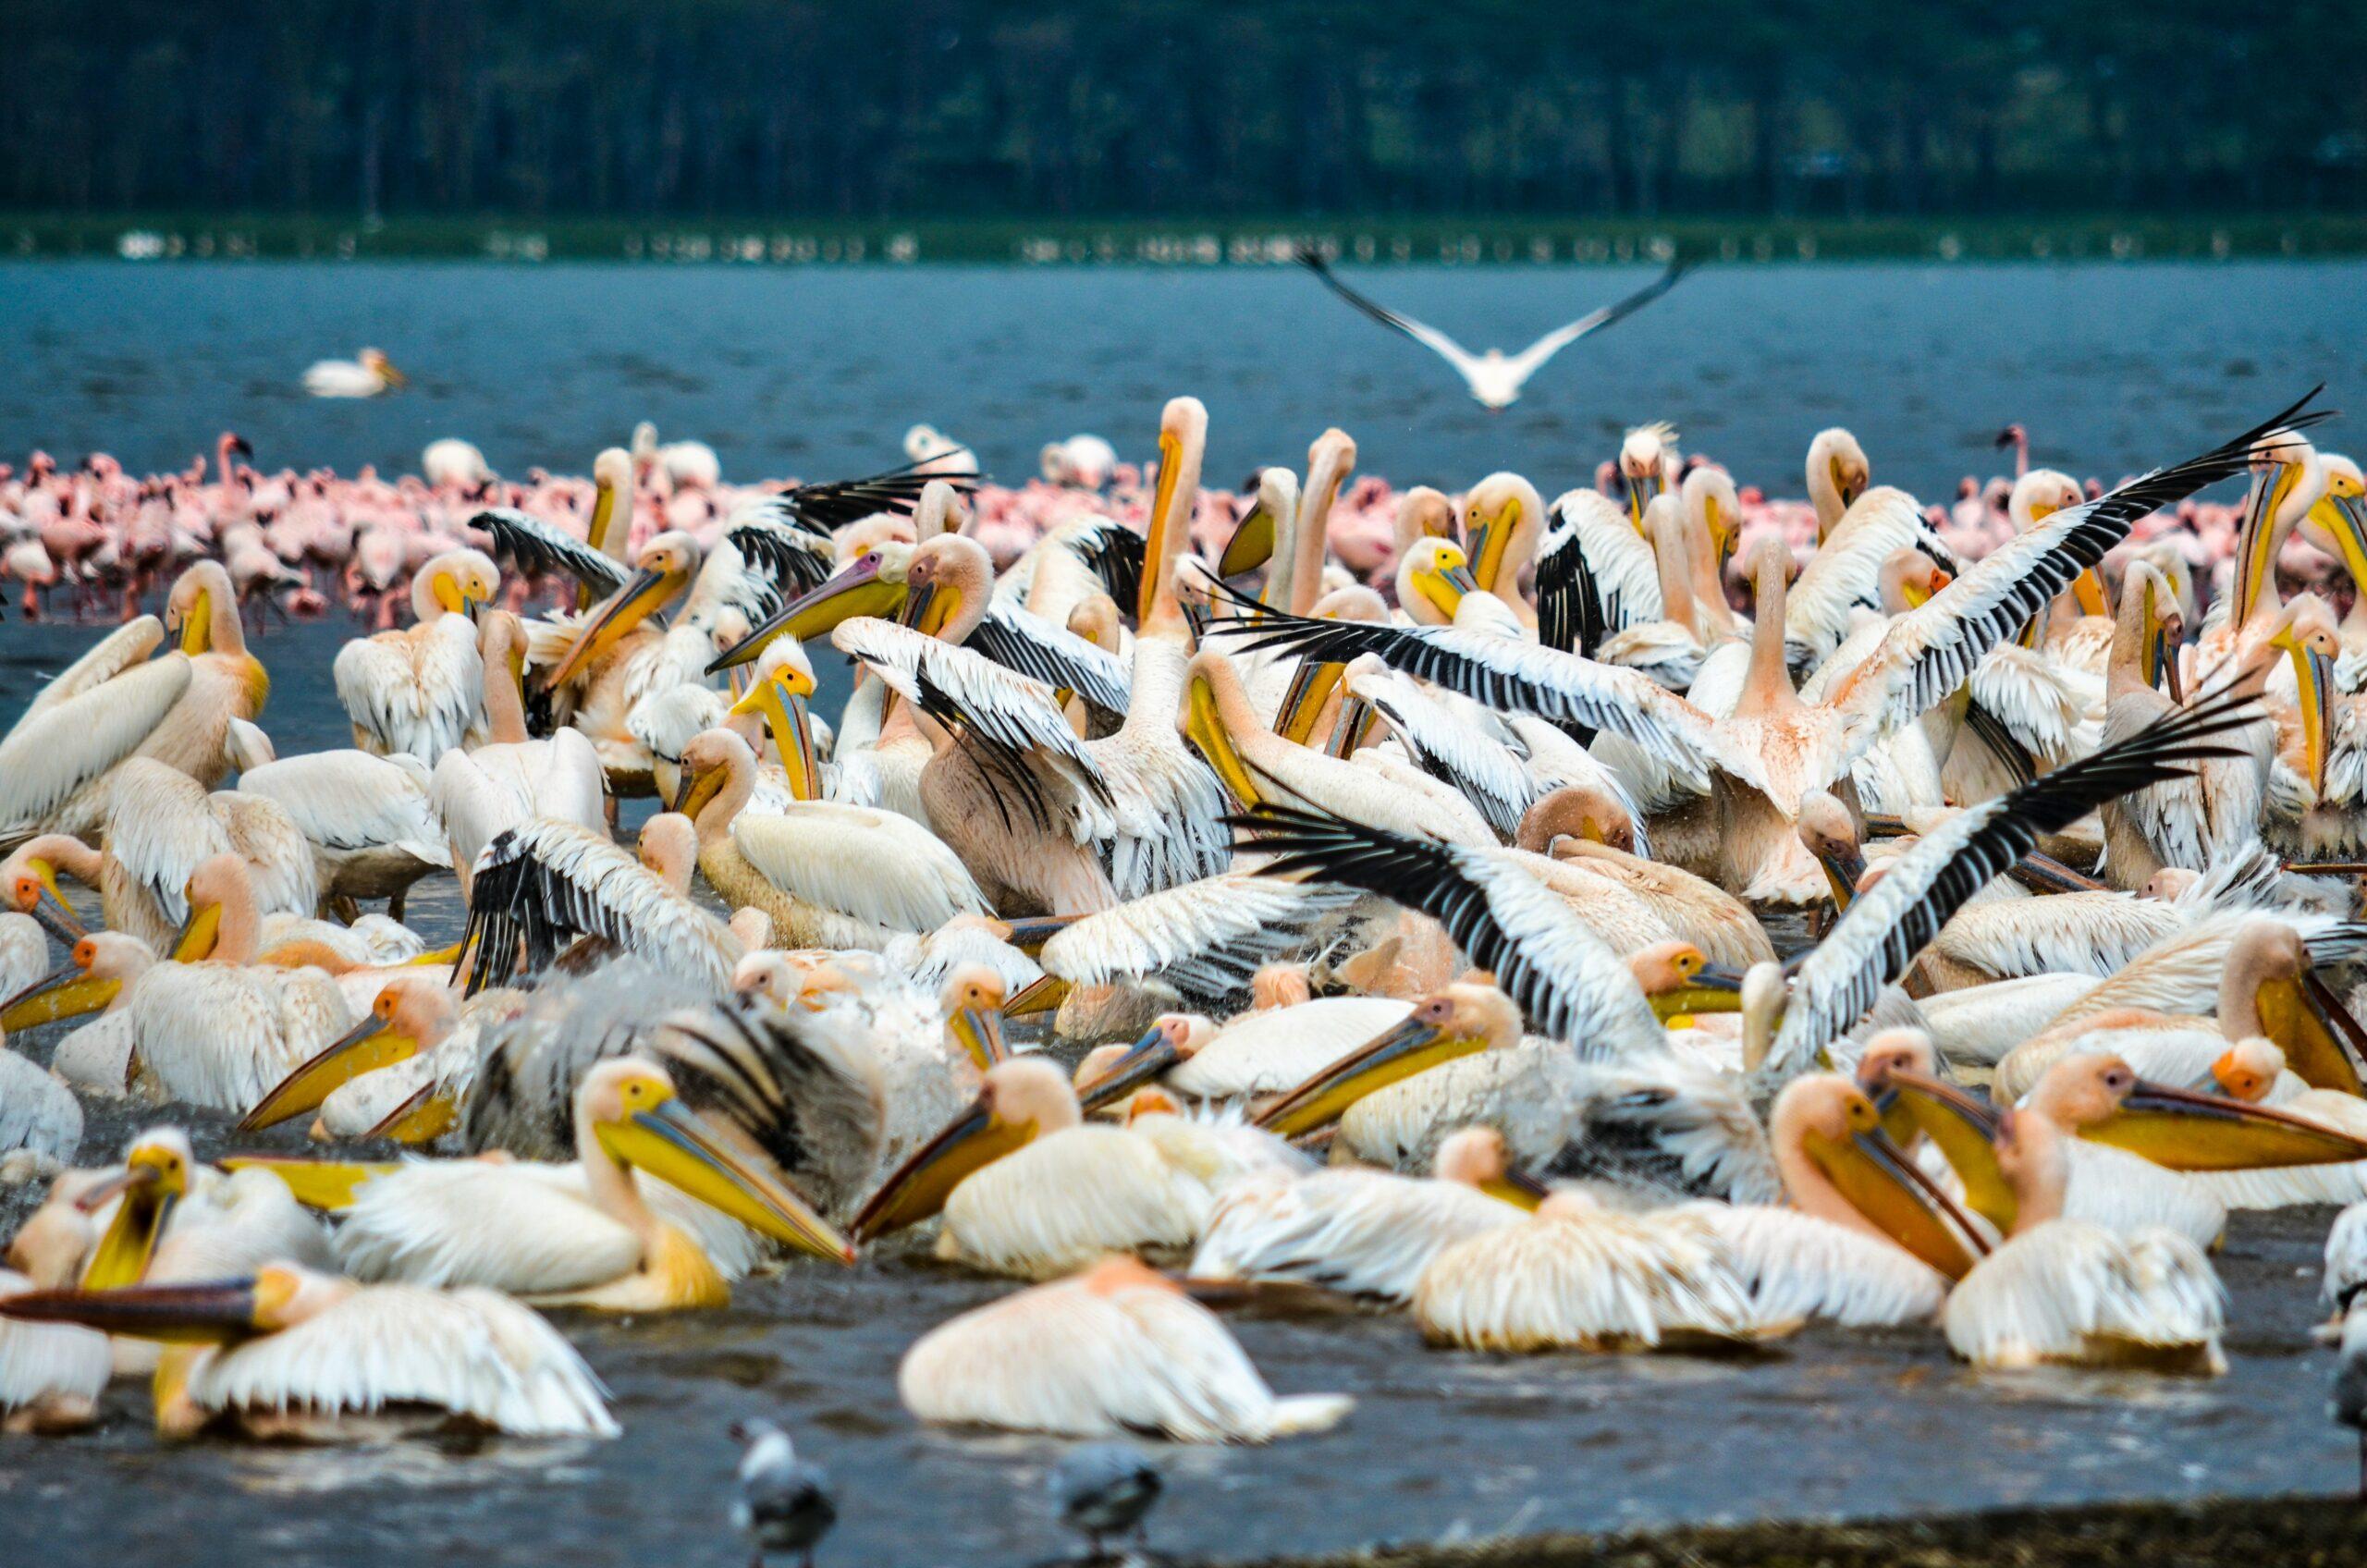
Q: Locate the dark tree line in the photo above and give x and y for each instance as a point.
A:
(1213, 107)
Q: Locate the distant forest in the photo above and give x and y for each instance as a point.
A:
(1111, 108)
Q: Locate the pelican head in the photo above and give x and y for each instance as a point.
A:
(2102, 1099)
(30, 874)
(408, 1015)
(2306, 635)
(375, 362)
(202, 611)
(455, 582)
(1584, 812)
(1111, 1073)
(219, 884)
(1709, 497)
(1829, 1124)
(1271, 509)
(1423, 513)
(777, 696)
(1502, 509)
(2150, 627)
(972, 998)
(1681, 983)
(871, 584)
(1830, 834)
(1214, 702)
(2288, 482)
(1838, 473)
(1477, 1157)
(1898, 1070)
(946, 584)
(666, 566)
(1020, 1100)
(2248, 1070)
(637, 1119)
(2340, 515)
(2270, 989)
(155, 1178)
(1182, 435)
(1432, 577)
(1909, 578)
(713, 761)
(1462, 1018)
(1644, 457)
(92, 977)
(2039, 495)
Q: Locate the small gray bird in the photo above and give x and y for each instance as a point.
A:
(2349, 1406)
(1103, 1489)
(784, 1504)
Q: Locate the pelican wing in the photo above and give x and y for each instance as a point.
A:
(1430, 337)
(874, 865)
(1115, 553)
(843, 501)
(474, 1353)
(159, 827)
(122, 649)
(1846, 572)
(55, 753)
(1932, 650)
(1595, 574)
(1206, 938)
(1018, 639)
(539, 886)
(1886, 926)
(1456, 754)
(415, 691)
(1571, 986)
(794, 558)
(1529, 360)
(348, 800)
(1361, 1232)
(533, 545)
(505, 1227)
(1501, 673)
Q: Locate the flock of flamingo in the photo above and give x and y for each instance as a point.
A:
(1313, 892)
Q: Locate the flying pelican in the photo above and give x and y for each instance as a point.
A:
(290, 1353)
(366, 374)
(1496, 379)
(1029, 1188)
(584, 1236)
(1366, 1233)
(1113, 1351)
(372, 828)
(419, 690)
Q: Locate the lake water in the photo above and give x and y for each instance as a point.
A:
(819, 372)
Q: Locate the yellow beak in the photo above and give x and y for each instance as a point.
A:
(2310, 1023)
(2186, 1130)
(633, 604)
(1251, 545)
(1144, 1060)
(371, 1045)
(1043, 996)
(56, 916)
(2313, 683)
(1444, 589)
(1964, 1129)
(857, 589)
(671, 1143)
(199, 934)
(422, 1119)
(968, 1143)
(981, 1035)
(179, 1314)
(325, 1184)
(122, 1257)
(1885, 1186)
(1170, 451)
(1712, 989)
(66, 992)
(1311, 686)
(1205, 727)
(1393, 1055)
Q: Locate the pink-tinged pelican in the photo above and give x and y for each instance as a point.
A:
(1029, 1188)
(512, 778)
(587, 1237)
(290, 1353)
(549, 880)
(421, 690)
(1116, 1350)
(368, 820)
(56, 763)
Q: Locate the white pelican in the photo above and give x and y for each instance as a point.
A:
(1496, 378)
(1200, 941)
(106, 706)
(547, 883)
(1115, 1351)
(2250, 1071)
(51, 1374)
(161, 1217)
(100, 968)
(366, 374)
(1574, 1276)
(1595, 574)
(213, 1026)
(448, 461)
(40, 1121)
(584, 1236)
(613, 659)
(1837, 474)
(1365, 1233)
(829, 875)
(2068, 1291)
(372, 828)
(513, 779)
(1029, 1188)
(1258, 1054)
(290, 1353)
(420, 690)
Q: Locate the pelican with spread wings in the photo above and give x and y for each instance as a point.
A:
(1496, 378)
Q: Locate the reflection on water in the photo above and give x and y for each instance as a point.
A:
(288, 1470)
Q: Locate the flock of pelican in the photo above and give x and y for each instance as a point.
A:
(1162, 930)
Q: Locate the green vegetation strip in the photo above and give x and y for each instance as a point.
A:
(1171, 242)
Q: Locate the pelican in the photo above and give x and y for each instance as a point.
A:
(368, 819)
(367, 374)
(829, 875)
(1595, 574)
(51, 1374)
(1116, 1350)
(511, 779)
(1838, 473)
(55, 761)
(1494, 378)
(2250, 1070)
(2059, 1290)
(1258, 1054)
(581, 1237)
(40, 1121)
(1365, 1233)
(1029, 1188)
(549, 879)
(419, 690)
(98, 972)
(1574, 1276)
(225, 681)
(290, 1353)
(613, 659)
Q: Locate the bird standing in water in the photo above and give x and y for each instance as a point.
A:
(1104, 1490)
(784, 1503)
